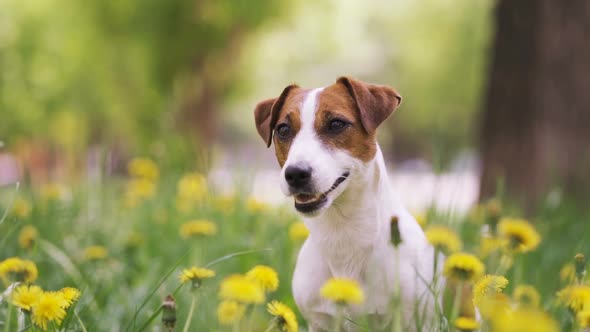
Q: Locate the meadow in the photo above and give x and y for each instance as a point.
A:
(127, 243)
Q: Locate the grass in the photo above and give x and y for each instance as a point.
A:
(124, 290)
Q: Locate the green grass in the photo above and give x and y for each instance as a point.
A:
(124, 291)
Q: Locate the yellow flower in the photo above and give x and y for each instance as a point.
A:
(421, 219)
(27, 237)
(225, 204)
(139, 190)
(95, 253)
(494, 305)
(254, 205)
(21, 208)
(17, 269)
(525, 320)
(518, 235)
(190, 189)
(527, 295)
(51, 307)
(486, 286)
(443, 239)
(70, 294)
(53, 192)
(567, 274)
(342, 291)
(242, 289)
(463, 266)
(285, 317)
(134, 239)
(143, 168)
(466, 324)
(265, 276)
(229, 312)
(488, 245)
(298, 232)
(25, 296)
(198, 227)
(576, 297)
(196, 275)
(584, 318)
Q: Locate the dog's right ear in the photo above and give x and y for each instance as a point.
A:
(267, 112)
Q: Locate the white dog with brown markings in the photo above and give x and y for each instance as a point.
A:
(325, 142)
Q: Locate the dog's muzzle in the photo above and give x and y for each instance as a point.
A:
(307, 203)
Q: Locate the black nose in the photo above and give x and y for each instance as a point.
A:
(298, 176)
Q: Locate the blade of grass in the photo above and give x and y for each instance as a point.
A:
(10, 203)
(155, 289)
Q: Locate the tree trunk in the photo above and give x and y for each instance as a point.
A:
(535, 129)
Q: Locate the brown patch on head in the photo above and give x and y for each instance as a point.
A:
(290, 115)
(335, 103)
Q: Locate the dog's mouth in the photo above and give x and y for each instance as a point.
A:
(306, 203)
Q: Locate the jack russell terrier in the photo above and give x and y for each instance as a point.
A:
(325, 142)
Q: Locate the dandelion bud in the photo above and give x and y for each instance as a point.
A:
(169, 313)
(580, 267)
(396, 237)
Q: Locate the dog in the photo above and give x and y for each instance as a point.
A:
(332, 166)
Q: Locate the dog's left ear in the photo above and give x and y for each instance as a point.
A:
(374, 102)
(267, 112)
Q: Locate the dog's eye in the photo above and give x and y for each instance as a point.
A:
(283, 130)
(336, 125)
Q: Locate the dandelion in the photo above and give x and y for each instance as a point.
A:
(230, 312)
(134, 240)
(21, 208)
(95, 253)
(139, 190)
(444, 239)
(255, 206)
(265, 276)
(583, 318)
(191, 188)
(285, 318)
(17, 269)
(518, 235)
(70, 294)
(27, 237)
(576, 297)
(298, 232)
(488, 245)
(487, 285)
(527, 295)
(342, 291)
(494, 305)
(49, 308)
(242, 289)
(198, 227)
(225, 204)
(143, 168)
(580, 264)
(25, 296)
(463, 267)
(525, 319)
(466, 324)
(567, 274)
(196, 275)
(421, 219)
(53, 192)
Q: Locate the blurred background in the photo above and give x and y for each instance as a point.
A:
(495, 92)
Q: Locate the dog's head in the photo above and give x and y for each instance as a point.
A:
(323, 137)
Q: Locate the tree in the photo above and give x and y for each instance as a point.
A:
(535, 128)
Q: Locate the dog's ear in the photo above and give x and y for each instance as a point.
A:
(267, 112)
(374, 102)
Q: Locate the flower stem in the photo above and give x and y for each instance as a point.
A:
(187, 324)
(271, 326)
(457, 303)
(339, 319)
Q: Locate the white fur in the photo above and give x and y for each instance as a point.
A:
(350, 236)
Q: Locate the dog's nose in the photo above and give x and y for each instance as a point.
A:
(298, 176)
